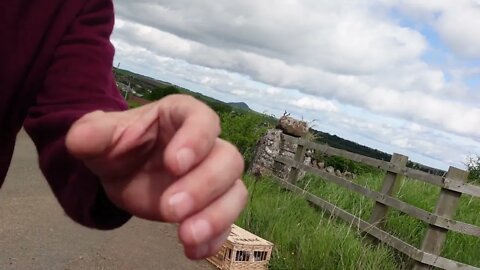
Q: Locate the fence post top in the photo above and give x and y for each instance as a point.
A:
(399, 159)
(399, 155)
(457, 174)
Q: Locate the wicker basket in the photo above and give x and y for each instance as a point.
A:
(243, 250)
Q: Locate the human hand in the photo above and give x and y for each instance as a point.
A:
(165, 162)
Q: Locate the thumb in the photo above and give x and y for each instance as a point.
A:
(91, 135)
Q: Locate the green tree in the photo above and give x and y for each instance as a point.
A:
(161, 92)
(473, 166)
(243, 130)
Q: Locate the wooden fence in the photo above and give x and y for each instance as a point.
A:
(453, 185)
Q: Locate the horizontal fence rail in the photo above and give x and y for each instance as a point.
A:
(443, 182)
(399, 205)
(438, 223)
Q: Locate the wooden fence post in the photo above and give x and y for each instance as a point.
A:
(447, 205)
(299, 157)
(390, 185)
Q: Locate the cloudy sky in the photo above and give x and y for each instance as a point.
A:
(397, 75)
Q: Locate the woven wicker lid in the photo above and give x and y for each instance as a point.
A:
(244, 237)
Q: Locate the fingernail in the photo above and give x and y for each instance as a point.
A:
(185, 159)
(181, 205)
(201, 251)
(201, 231)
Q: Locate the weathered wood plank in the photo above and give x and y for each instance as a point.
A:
(424, 177)
(299, 157)
(443, 182)
(401, 206)
(390, 185)
(385, 165)
(456, 226)
(459, 186)
(444, 263)
(447, 205)
(380, 234)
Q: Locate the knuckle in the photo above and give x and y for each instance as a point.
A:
(238, 162)
(201, 135)
(243, 193)
(221, 221)
(202, 141)
(179, 101)
(235, 161)
(175, 100)
(178, 97)
(212, 184)
(210, 118)
(91, 116)
(188, 98)
(216, 124)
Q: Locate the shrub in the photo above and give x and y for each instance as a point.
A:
(132, 104)
(243, 130)
(344, 164)
(161, 92)
(473, 166)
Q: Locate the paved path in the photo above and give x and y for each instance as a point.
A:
(36, 234)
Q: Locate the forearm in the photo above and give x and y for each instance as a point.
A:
(79, 80)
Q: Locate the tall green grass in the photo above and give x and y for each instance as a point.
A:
(304, 238)
(459, 247)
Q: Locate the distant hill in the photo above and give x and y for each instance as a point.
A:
(140, 83)
(240, 105)
(153, 89)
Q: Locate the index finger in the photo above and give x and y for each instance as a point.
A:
(195, 128)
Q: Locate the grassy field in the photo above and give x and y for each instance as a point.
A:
(306, 238)
(303, 237)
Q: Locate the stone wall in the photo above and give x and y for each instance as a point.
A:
(273, 145)
(268, 148)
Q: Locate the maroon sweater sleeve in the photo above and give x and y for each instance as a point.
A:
(79, 80)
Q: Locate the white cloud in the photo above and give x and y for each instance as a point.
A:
(455, 21)
(316, 104)
(343, 52)
(294, 31)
